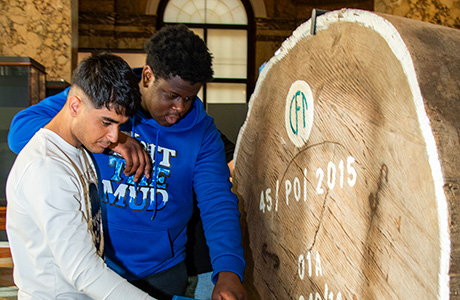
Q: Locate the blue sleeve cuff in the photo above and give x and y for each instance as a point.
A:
(228, 263)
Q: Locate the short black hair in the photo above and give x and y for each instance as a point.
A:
(176, 50)
(109, 81)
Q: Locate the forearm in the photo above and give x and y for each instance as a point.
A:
(221, 223)
(218, 207)
(28, 121)
(23, 127)
(111, 286)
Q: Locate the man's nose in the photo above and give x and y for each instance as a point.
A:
(179, 105)
(112, 135)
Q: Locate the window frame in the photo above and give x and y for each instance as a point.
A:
(250, 28)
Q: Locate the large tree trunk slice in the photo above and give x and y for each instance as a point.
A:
(347, 166)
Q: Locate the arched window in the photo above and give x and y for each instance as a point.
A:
(226, 27)
(205, 12)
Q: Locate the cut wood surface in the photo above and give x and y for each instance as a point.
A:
(348, 167)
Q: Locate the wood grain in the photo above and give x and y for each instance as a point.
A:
(366, 207)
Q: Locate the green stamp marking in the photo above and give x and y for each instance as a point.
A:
(299, 109)
(295, 104)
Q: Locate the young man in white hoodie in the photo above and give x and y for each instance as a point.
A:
(53, 210)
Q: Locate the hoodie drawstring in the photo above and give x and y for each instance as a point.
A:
(155, 175)
(155, 168)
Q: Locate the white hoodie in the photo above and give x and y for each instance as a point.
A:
(48, 213)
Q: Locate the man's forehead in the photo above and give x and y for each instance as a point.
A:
(180, 86)
(111, 115)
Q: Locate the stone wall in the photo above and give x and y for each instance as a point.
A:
(283, 16)
(42, 30)
(442, 12)
(109, 30)
(114, 24)
(47, 30)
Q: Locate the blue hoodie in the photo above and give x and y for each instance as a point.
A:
(145, 223)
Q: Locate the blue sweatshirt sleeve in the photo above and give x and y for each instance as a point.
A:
(28, 121)
(218, 206)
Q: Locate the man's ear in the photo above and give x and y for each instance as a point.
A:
(147, 76)
(74, 103)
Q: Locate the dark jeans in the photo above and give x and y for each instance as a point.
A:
(165, 284)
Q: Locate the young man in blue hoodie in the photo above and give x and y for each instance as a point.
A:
(145, 220)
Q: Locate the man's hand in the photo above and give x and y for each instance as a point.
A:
(229, 287)
(136, 158)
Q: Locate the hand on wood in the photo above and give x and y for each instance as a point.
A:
(229, 287)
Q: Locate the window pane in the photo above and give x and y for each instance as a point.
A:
(206, 12)
(225, 12)
(226, 93)
(200, 94)
(198, 31)
(229, 49)
(184, 11)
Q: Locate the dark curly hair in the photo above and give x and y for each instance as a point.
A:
(176, 50)
(108, 80)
